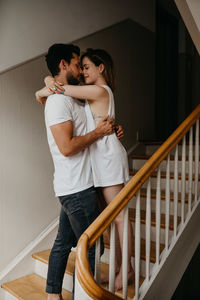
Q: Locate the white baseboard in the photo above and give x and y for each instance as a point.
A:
(23, 264)
(4, 295)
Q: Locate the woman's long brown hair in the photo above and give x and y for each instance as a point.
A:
(100, 56)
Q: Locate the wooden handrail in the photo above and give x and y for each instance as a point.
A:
(96, 229)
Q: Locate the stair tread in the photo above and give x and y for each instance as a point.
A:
(161, 142)
(143, 253)
(31, 287)
(163, 175)
(149, 143)
(143, 193)
(131, 289)
(43, 256)
(136, 156)
(153, 218)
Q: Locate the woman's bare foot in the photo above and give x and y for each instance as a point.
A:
(118, 280)
(105, 279)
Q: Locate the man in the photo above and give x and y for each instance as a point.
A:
(68, 141)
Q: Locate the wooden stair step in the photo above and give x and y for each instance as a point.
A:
(143, 247)
(163, 175)
(146, 157)
(43, 256)
(150, 143)
(131, 286)
(143, 194)
(153, 218)
(31, 287)
(131, 289)
(161, 142)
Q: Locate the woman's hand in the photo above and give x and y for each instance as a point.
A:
(41, 95)
(53, 85)
(119, 131)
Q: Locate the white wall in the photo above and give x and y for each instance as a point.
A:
(27, 202)
(27, 27)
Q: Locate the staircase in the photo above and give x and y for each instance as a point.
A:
(32, 287)
(162, 200)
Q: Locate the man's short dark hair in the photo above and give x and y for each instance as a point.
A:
(56, 53)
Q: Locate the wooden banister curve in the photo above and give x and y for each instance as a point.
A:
(97, 228)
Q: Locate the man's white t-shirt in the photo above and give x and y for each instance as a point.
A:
(73, 173)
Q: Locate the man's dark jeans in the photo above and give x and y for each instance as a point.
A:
(78, 211)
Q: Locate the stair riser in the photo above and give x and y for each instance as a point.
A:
(163, 184)
(138, 163)
(153, 233)
(105, 258)
(132, 204)
(150, 149)
(41, 270)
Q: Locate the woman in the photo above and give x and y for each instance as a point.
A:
(108, 156)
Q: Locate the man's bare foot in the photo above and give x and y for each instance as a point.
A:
(54, 297)
(118, 280)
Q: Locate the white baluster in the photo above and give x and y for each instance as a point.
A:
(190, 169)
(158, 217)
(196, 159)
(125, 254)
(148, 228)
(175, 190)
(137, 247)
(112, 259)
(97, 262)
(167, 202)
(183, 179)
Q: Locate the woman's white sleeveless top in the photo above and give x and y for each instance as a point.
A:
(108, 156)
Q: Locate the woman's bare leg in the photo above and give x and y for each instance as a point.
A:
(118, 255)
(109, 194)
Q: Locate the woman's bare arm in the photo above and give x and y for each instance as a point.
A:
(89, 92)
(41, 95)
(53, 85)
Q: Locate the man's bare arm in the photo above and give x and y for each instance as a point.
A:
(70, 145)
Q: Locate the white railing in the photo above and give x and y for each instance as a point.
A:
(178, 163)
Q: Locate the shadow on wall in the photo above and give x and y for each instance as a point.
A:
(132, 47)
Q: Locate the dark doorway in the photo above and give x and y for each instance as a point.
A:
(166, 73)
